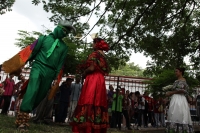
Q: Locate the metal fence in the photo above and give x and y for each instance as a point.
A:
(134, 84)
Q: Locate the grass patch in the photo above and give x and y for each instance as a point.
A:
(7, 125)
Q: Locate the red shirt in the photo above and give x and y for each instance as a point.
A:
(159, 106)
(150, 102)
(8, 87)
(156, 106)
(1, 85)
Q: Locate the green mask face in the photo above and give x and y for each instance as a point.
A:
(60, 32)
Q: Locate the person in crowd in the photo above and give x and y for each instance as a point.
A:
(91, 113)
(136, 111)
(75, 93)
(198, 105)
(110, 100)
(1, 91)
(16, 92)
(157, 104)
(126, 109)
(9, 84)
(179, 118)
(117, 109)
(132, 100)
(65, 92)
(161, 111)
(141, 107)
(148, 113)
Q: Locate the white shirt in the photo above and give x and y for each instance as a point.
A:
(141, 106)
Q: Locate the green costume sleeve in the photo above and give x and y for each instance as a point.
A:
(62, 61)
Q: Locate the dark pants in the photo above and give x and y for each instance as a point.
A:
(44, 109)
(6, 104)
(125, 113)
(140, 117)
(149, 118)
(61, 112)
(1, 99)
(116, 119)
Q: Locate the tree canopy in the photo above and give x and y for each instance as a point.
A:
(130, 69)
(167, 31)
(5, 5)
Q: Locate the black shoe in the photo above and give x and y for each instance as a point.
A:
(138, 128)
(129, 128)
(35, 122)
(46, 122)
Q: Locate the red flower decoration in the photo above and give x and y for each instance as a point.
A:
(102, 45)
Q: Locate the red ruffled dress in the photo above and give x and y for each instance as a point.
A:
(91, 113)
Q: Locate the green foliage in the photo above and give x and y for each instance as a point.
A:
(167, 77)
(5, 5)
(167, 31)
(130, 69)
(26, 38)
(77, 52)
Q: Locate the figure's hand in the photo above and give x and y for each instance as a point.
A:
(182, 90)
(168, 94)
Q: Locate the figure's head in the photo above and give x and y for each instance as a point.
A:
(111, 88)
(100, 44)
(63, 29)
(146, 93)
(78, 78)
(11, 76)
(132, 94)
(21, 77)
(69, 81)
(179, 71)
(137, 93)
(117, 90)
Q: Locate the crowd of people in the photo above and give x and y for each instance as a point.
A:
(171, 111)
(133, 109)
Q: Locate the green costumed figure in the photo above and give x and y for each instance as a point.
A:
(49, 54)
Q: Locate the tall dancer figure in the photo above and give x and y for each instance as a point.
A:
(179, 118)
(91, 113)
(49, 53)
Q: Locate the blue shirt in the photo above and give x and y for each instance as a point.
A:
(75, 91)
